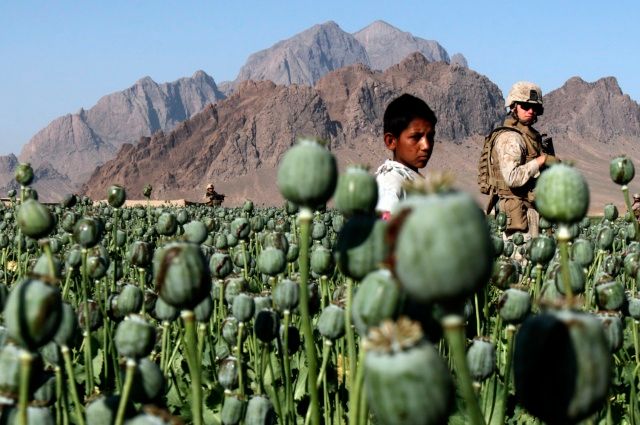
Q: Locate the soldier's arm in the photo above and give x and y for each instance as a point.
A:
(511, 153)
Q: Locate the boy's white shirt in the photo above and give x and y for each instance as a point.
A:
(390, 176)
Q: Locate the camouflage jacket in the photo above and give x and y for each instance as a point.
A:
(390, 176)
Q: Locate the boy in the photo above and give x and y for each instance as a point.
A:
(409, 131)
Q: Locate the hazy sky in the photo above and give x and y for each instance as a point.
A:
(59, 56)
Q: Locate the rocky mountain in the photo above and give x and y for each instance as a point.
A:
(237, 142)
(46, 177)
(75, 143)
(305, 57)
(386, 45)
(309, 55)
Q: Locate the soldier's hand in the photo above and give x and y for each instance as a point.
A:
(550, 160)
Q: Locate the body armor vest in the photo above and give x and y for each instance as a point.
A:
(533, 143)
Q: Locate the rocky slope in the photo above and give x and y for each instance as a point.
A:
(75, 143)
(237, 143)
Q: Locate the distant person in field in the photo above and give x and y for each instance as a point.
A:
(213, 197)
(518, 155)
(409, 127)
(636, 205)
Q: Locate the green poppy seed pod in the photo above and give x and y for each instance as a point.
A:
(631, 263)
(68, 326)
(542, 249)
(318, 230)
(24, 174)
(103, 410)
(182, 217)
(167, 224)
(562, 366)
(233, 409)
(257, 223)
(562, 194)
(498, 245)
(148, 381)
(610, 212)
(35, 415)
(220, 265)
(633, 307)
(134, 337)
(375, 300)
(604, 238)
(204, 310)
(293, 252)
(43, 267)
(286, 295)
(276, 240)
(233, 287)
(221, 241)
(610, 295)
(96, 267)
(44, 393)
(290, 208)
(243, 307)
(509, 247)
(69, 200)
(356, 192)
(621, 170)
(501, 220)
(195, 232)
(576, 276)
(165, 312)
(582, 251)
(630, 232)
(361, 246)
(482, 359)
(34, 219)
(260, 411)
(423, 376)
(247, 206)
(116, 196)
(87, 232)
(33, 312)
(611, 265)
(130, 299)
(331, 322)
(228, 373)
(240, 228)
(450, 231)
(337, 222)
(517, 238)
(262, 302)
(613, 327)
(231, 331)
(266, 324)
(242, 256)
(182, 278)
(321, 261)
(294, 339)
(95, 316)
(272, 261)
(514, 305)
(140, 254)
(307, 174)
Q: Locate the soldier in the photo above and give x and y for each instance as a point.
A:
(213, 197)
(636, 205)
(519, 154)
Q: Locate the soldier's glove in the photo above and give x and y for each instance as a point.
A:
(550, 160)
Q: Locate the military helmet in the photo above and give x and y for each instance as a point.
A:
(209, 186)
(524, 91)
(636, 196)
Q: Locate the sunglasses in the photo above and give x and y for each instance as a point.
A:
(536, 108)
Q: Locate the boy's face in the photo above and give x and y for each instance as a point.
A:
(414, 146)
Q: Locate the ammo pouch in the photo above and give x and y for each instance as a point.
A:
(516, 211)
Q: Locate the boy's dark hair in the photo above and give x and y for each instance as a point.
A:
(404, 109)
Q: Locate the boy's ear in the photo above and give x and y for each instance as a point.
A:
(390, 141)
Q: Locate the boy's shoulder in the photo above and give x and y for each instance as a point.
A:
(395, 169)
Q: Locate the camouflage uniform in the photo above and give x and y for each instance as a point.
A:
(390, 177)
(514, 155)
(636, 205)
